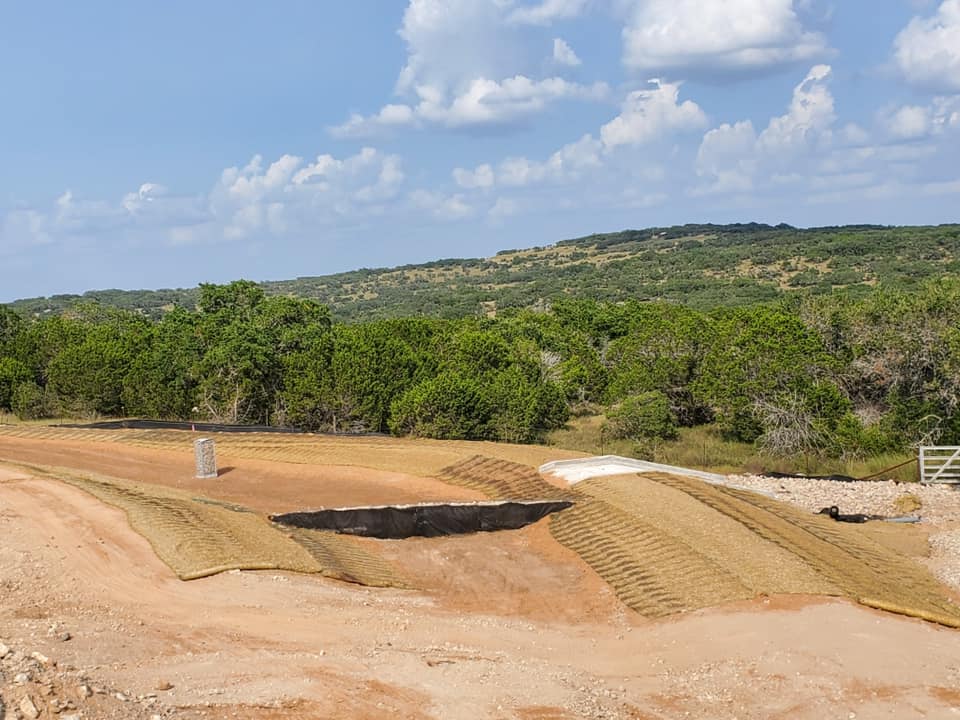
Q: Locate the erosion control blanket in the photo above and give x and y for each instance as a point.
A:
(395, 522)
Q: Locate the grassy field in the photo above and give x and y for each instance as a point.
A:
(704, 448)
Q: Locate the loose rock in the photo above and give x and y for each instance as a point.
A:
(28, 709)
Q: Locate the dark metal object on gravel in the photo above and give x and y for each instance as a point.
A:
(835, 478)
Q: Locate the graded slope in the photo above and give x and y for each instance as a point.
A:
(668, 544)
(421, 457)
(199, 536)
(664, 544)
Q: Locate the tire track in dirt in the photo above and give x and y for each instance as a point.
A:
(502, 480)
(862, 568)
(669, 544)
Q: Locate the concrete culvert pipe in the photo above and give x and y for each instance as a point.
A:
(402, 521)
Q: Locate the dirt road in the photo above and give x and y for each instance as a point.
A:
(271, 645)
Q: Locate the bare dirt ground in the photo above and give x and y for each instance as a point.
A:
(505, 625)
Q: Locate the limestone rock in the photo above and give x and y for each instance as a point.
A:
(28, 709)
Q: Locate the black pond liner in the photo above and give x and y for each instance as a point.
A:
(142, 424)
(395, 522)
(179, 425)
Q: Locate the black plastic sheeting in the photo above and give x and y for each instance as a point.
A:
(179, 425)
(403, 521)
(141, 424)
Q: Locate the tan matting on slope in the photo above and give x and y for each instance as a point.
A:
(199, 536)
(414, 456)
(668, 544)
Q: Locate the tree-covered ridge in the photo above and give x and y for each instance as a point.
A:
(846, 374)
(702, 266)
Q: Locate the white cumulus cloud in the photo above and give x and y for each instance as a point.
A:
(483, 102)
(390, 116)
(709, 37)
(912, 122)
(648, 114)
(442, 206)
(927, 50)
(481, 177)
(809, 116)
(471, 63)
(727, 156)
(563, 54)
(491, 102)
(452, 42)
(730, 156)
(546, 12)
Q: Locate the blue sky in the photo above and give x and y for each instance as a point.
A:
(166, 144)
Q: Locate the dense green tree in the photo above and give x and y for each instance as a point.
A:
(29, 401)
(446, 406)
(162, 380)
(844, 373)
(87, 372)
(11, 325)
(12, 373)
(661, 351)
(764, 355)
(647, 415)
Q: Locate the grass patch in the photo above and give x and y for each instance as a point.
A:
(705, 448)
(9, 418)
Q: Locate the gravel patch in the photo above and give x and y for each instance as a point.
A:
(938, 503)
(939, 509)
(945, 557)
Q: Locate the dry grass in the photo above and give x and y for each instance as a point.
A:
(704, 448)
(907, 504)
(9, 418)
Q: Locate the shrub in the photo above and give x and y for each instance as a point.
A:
(12, 373)
(445, 407)
(647, 415)
(28, 401)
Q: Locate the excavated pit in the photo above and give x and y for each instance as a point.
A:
(395, 522)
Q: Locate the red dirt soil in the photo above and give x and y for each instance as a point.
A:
(507, 625)
(269, 487)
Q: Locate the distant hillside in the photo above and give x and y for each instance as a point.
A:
(702, 266)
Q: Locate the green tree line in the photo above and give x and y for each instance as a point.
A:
(840, 374)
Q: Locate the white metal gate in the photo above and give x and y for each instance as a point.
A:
(940, 464)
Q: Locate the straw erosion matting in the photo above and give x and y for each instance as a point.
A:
(416, 456)
(199, 536)
(668, 544)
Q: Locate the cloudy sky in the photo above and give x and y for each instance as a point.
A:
(148, 145)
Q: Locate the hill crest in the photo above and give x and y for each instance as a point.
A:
(702, 266)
